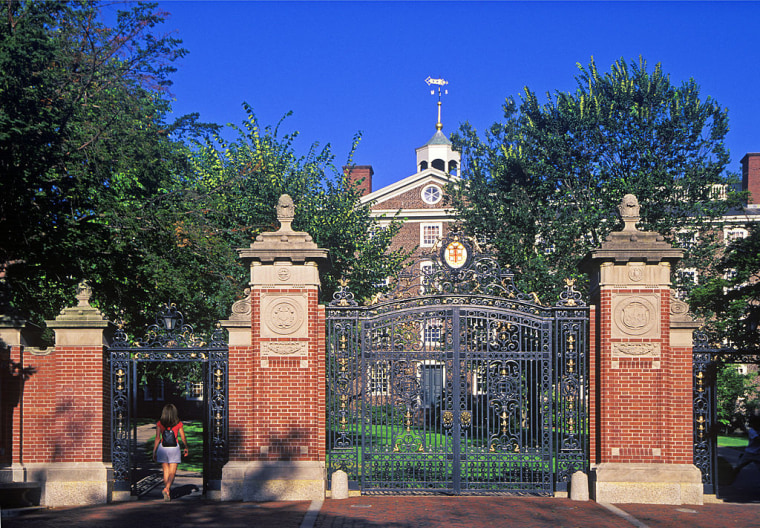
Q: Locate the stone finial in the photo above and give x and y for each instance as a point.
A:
(84, 294)
(286, 212)
(629, 211)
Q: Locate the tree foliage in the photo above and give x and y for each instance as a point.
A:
(730, 299)
(99, 185)
(84, 145)
(736, 395)
(543, 185)
(239, 182)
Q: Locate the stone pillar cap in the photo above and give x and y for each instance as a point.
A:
(632, 244)
(283, 244)
(82, 315)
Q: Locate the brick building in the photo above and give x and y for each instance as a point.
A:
(418, 199)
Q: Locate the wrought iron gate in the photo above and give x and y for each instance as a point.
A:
(706, 359)
(168, 340)
(458, 383)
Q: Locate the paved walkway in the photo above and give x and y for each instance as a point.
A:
(188, 509)
(394, 512)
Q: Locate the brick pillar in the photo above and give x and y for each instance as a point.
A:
(641, 383)
(277, 372)
(59, 435)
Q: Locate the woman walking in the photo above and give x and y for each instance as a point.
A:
(166, 446)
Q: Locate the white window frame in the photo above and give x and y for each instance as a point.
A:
(686, 239)
(480, 379)
(436, 225)
(693, 273)
(425, 190)
(731, 234)
(430, 338)
(425, 267)
(379, 379)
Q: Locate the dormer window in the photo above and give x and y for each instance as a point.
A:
(431, 194)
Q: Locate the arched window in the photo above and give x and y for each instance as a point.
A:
(423, 165)
(439, 164)
(453, 167)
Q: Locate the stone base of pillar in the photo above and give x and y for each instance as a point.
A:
(71, 483)
(13, 473)
(647, 483)
(273, 481)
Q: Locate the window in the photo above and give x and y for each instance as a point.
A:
(193, 391)
(686, 239)
(432, 333)
(379, 378)
(439, 164)
(429, 234)
(733, 234)
(431, 194)
(453, 167)
(154, 390)
(426, 270)
(685, 279)
(479, 379)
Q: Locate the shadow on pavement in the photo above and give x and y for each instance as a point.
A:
(741, 487)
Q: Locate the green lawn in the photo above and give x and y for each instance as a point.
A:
(732, 441)
(194, 435)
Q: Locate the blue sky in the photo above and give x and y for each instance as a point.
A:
(345, 67)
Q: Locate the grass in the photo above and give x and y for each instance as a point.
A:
(732, 441)
(194, 435)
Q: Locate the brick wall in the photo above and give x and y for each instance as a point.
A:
(751, 176)
(61, 416)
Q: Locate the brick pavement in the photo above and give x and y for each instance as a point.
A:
(393, 512)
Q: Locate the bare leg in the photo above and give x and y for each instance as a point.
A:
(171, 473)
(168, 478)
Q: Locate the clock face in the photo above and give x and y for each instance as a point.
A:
(455, 254)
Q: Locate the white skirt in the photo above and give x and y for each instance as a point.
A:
(170, 455)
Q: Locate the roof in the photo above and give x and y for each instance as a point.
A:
(439, 138)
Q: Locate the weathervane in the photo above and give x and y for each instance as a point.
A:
(440, 83)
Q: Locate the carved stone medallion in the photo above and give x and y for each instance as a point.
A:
(636, 273)
(636, 315)
(283, 315)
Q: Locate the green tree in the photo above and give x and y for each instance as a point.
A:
(735, 394)
(543, 185)
(730, 299)
(87, 157)
(237, 184)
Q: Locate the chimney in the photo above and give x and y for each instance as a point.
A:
(751, 178)
(361, 175)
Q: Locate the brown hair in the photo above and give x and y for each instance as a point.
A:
(169, 416)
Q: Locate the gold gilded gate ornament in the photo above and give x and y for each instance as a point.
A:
(455, 254)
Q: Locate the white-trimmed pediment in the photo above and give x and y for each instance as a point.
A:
(415, 181)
